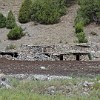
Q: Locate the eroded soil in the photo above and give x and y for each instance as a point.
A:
(51, 67)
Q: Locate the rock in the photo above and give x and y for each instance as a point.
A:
(68, 89)
(19, 76)
(88, 84)
(0, 56)
(51, 90)
(93, 33)
(41, 77)
(97, 54)
(5, 83)
(43, 68)
(1, 75)
(99, 81)
(8, 57)
(85, 93)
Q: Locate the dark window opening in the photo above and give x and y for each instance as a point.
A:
(47, 54)
(61, 57)
(16, 55)
(13, 54)
(77, 57)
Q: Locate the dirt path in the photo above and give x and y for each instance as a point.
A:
(52, 68)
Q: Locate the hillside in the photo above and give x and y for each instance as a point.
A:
(50, 50)
(39, 34)
(62, 32)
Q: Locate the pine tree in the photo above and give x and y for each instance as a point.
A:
(15, 33)
(25, 11)
(2, 21)
(10, 22)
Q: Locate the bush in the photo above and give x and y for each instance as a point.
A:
(10, 22)
(79, 27)
(81, 37)
(10, 47)
(15, 33)
(2, 21)
(25, 11)
(98, 14)
(48, 11)
(81, 17)
(89, 9)
(69, 2)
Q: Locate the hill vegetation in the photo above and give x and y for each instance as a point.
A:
(50, 11)
(25, 11)
(88, 12)
(68, 89)
(2, 21)
(42, 11)
(10, 22)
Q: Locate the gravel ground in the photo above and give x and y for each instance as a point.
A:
(93, 28)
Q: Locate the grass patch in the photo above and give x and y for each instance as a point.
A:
(35, 90)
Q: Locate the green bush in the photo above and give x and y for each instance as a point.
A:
(48, 11)
(25, 11)
(79, 27)
(10, 22)
(81, 17)
(89, 9)
(70, 2)
(81, 37)
(15, 33)
(2, 21)
(98, 15)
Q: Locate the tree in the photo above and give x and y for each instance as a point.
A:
(10, 22)
(2, 21)
(25, 11)
(48, 11)
(15, 33)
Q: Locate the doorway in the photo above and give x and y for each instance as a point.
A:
(61, 57)
(77, 57)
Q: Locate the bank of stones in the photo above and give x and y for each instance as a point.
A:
(55, 52)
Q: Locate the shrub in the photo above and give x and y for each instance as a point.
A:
(11, 46)
(81, 17)
(48, 11)
(15, 33)
(10, 22)
(69, 2)
(98, 14)
(25, 11)
(81, 37)
(89, 9)
(79, 27)
(2, 21)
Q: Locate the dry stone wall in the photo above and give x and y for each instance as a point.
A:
(53, 52)
(57, 52)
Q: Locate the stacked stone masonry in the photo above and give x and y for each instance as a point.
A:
(83, 52)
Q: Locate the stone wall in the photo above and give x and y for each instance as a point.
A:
(53, 52)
